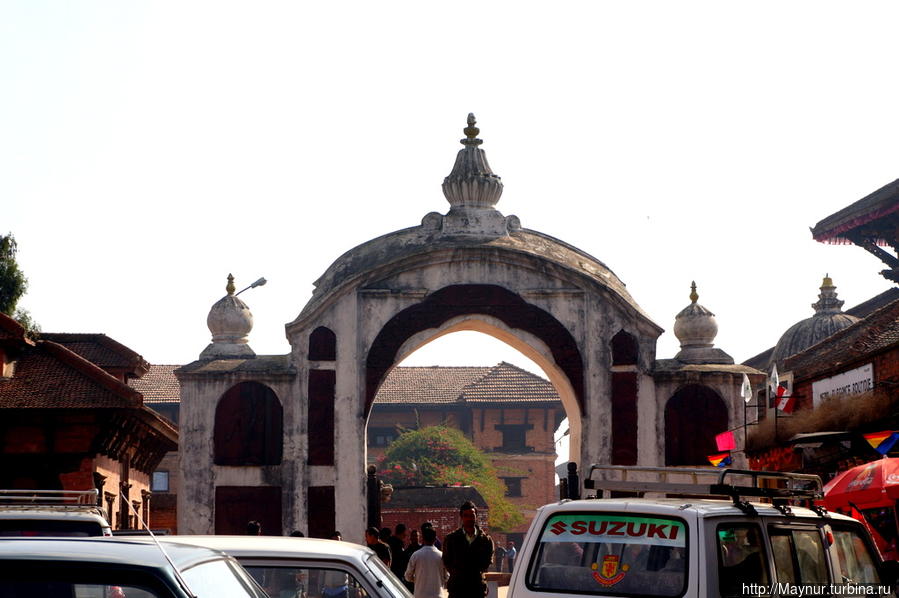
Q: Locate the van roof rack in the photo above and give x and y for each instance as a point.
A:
(49, 497)
(789, 486)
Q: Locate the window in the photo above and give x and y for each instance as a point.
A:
(741, 558)
(514, 438)
(513, 486)
(381, 436)
(798, 556)
(854, 560)
(301, 580)
(588, 553)
(160, 481)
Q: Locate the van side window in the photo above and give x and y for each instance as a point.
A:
(741, 558)
(854, 561)
(798, 556)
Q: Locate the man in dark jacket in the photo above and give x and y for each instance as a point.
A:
(467, 554)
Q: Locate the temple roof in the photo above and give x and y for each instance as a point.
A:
(874, 217)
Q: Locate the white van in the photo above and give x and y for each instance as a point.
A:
(52, 513)
(697, 547)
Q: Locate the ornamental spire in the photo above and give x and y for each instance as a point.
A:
(472, 183)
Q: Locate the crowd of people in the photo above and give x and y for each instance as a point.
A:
(425, 564)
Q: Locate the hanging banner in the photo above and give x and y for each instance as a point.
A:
(853, 382)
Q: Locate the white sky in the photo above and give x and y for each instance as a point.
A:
(149, 149)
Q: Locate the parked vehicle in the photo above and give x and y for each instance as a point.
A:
(697, 547)
(52, 513)
(118, 568)
(287, 567)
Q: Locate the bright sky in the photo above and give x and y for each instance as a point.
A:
(147, 149)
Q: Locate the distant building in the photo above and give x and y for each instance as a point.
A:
(68, 421)
(507, 412)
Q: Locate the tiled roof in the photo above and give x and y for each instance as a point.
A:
(99, 349)
(159, 385)
(49, 376)
(437, 385)
(877, 332)
(507, 383)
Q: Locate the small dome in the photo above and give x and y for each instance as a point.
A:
(695, 327)
(230, 321)
(828, 319)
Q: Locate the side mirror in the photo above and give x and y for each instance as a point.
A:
(889, 572)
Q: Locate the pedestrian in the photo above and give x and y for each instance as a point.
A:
(336, 535)
(499, 557)
(297, 534)
(467, 555)
(373, 541)
(510, 555)
(397, 543)
(437, 543)
(254, 528)
(426, 570)
(414, 544)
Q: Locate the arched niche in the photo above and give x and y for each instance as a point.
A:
(249, 428)
(694, 415)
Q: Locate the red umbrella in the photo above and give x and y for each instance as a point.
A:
(874, 484)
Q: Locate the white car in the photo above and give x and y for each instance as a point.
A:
(288, 567)
(697, 547)
(54, 513)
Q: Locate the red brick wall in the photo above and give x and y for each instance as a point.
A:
(886, 367)
(444, 520)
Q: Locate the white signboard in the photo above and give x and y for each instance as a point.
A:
(852, 382)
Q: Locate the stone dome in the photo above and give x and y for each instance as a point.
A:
(695, 327)
(828, 319)
(230, 322)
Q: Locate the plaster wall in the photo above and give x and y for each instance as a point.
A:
(198, 473)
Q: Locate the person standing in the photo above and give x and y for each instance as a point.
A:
(398, 557)
(426, 570)
(373, 541)
(510, 555)
(467, 555)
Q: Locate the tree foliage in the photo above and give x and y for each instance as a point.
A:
(13, 283)
(439, 455)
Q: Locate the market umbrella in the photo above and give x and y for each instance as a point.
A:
(873, 484)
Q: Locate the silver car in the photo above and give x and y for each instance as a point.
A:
(289, 567)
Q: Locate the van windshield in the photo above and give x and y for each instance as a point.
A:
(607, 553)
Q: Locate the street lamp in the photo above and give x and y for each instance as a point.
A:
(258, 283)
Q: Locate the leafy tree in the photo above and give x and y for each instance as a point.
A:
(439, 455)
(13, 284)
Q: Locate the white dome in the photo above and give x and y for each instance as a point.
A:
(230, 323)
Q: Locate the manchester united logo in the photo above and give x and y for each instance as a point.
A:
(608, 574)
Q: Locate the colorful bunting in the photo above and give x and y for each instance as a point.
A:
(720, 460)
(882, 442)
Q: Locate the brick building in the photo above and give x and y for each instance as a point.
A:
(845, 379)
(440, 506)
(507, 412)
(69, 421)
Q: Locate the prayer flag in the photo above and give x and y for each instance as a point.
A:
(882, 442)
(725, 441)
(746, 390)
(785, 402)
(720, 460)
(773, 380)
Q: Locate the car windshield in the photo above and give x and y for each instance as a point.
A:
(608, 553)
(220, 579)
(48, 527)
(388, 580)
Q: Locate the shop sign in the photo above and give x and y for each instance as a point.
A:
(853, 382)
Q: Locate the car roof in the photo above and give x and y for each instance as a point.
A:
(701, 507)
(141, 552)
(277, 546)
